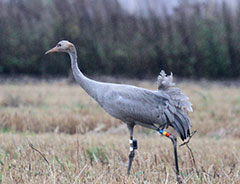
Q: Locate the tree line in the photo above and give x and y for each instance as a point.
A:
(195, 40)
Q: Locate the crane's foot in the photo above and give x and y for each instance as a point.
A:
(179, 179)
(133, 146)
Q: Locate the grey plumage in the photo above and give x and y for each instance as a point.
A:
(178, 105)
(155, 109)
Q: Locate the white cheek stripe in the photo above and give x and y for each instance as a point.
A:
(130, 141)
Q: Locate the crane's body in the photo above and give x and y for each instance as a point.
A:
(137, 105)
(149, 108)
(155, 109)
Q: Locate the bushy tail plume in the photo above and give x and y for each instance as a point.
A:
(178, 98)
(164, 81)
(177, 105)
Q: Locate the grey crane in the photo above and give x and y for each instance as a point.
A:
(156, 110)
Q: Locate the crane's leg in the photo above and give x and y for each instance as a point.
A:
(133, 146)
(174, 141)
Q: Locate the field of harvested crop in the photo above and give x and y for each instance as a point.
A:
(52, 132)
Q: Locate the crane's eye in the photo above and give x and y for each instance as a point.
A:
(59, 45)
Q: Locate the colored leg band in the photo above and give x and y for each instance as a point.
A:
(162, 132)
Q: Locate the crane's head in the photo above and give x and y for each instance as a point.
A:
(62, 46)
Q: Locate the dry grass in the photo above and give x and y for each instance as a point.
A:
(99, 152)
(101, 158)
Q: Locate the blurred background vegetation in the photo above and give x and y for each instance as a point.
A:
(198, 40)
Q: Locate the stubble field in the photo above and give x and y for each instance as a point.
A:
(52, 132)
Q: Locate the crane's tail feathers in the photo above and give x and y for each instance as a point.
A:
(178, 104)
(178, 98)
(181, 119)
(164, 81)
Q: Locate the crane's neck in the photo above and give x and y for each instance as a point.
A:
(90, 86)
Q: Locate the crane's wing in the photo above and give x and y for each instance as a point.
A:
(132, 104)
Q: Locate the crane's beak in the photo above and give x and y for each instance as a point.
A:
(54, 49)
